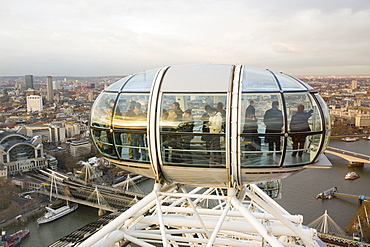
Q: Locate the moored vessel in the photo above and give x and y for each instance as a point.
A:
(53, 214)
(13, 239)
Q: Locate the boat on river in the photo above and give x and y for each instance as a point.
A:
(53, 214)
(351, 176)
(327, 194)
(350, 139)
(13, 239)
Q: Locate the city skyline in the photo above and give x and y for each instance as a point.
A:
(92, 38)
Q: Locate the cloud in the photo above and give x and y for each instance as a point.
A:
(120, 37)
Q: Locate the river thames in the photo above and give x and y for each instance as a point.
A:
(298, 197)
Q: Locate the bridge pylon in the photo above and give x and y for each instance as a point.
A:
(98, 198)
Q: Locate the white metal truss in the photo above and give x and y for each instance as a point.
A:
(173, 216)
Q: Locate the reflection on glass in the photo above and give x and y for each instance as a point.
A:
(192, 129)
(141, 82)
(262, 129)
(303, 119)
(258, 80)
(326, 119)
(101, 114)
(101, 117)
(130, 124)
(288, 83)
(116, 87)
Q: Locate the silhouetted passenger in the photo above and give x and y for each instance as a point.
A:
(165, 137)
(205, 129)
(176, 112)
(220, 109)
(187, 126)
(299, 123)
(175, 115)
(138, 139)
(251, 128)
(250, 109)
(273, 120)
(130, 116)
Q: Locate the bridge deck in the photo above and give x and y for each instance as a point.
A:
(365, 198)
(79, 201)
(349, 155)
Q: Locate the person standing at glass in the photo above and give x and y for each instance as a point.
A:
(273, 120)
(129, 116)
(205, 129)
(138, 139)
(187, 126)
(250, 111)
(215, 126)
(175, 115)
(299, 123)
(251, 127)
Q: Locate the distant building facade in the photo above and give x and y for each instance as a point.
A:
(20, 153)
(3, 171)
(79, 148)
(34, 103)
(29, 81)
(57, 133)
(56, 85)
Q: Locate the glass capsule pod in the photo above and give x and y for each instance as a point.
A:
(211, 125)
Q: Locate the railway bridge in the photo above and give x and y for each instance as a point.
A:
(93, 195)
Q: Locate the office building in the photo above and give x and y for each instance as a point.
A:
(29, 81)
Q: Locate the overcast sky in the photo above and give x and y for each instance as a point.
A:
(119, 37)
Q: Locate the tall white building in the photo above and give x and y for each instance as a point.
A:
(34, 103)
(49, 86)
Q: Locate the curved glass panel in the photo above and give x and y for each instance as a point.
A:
(141, 82)
(115, 87)
(303, 119)
(100, 121)
(287, 83)
(326, 116)
(192, 129)
(262, 129)
(130, 126)
(102, 110)
(258, 80)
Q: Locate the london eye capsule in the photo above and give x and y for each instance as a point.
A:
(211, 125)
